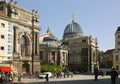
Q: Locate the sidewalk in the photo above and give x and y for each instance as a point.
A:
(75, 77)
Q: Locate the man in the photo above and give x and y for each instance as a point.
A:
(96, 72)
(47, 78)
(114, 75)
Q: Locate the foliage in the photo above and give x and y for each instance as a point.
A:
(52, 68)
(100, 53)
(109, 62)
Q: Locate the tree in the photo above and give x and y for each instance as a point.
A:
(52, 68)
(109, 62)
(100, 54)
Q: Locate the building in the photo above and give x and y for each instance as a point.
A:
(82, 49)
(19, 37)
(52, 52)
(106, 57)
(116, 53)
(6, 40)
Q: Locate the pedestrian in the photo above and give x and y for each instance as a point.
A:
(114, 75)
(96, 72)
(47, 78)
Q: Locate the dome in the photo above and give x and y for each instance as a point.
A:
(73, 28)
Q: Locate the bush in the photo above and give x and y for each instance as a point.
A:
(52, 68)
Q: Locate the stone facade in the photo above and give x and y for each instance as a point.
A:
(116, 53)
(83, 54)
(51, 50)
(25, 36)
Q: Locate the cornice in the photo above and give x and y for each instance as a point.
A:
(20, 23)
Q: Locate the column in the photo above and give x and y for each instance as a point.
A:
(16, 35)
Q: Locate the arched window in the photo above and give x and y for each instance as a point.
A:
(23, 45)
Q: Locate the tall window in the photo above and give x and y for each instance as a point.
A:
(9, 49)
(41, 55)
(117, 67)
(9, 38)
(53, 57)
(117, 58)
(23, 45)
(63, 59)
(9, 27)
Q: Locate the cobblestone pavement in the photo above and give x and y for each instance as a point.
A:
(76, 79)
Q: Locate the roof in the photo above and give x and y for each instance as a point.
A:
(109, 51)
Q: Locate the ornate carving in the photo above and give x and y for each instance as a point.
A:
(12, 9)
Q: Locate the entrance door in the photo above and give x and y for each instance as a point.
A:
(26, 67)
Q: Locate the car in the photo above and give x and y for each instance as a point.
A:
(69, 73)
(106, 71)
(76, 72)
(43, 75)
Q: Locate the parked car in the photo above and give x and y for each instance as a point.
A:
(106, 71)
(69, 73)
(43, 75)
(76, 72)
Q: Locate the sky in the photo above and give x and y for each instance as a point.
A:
(99, 18)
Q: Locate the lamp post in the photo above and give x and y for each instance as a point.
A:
(89, 58)
(34, 19)
(96, 52)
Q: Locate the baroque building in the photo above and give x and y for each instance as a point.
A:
(82, 49)
(116, 53)
(52, 52)
(19, 37)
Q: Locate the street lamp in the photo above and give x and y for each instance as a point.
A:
(96, 52)
(34, 19)
(89, 58)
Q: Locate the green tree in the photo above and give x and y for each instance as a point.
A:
(52, 68)
(100, 54)
(109, 62)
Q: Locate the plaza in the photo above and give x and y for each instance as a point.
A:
(76, 79)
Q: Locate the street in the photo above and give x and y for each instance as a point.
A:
(77, 79)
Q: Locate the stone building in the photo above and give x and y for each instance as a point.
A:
(20, 43)
(116, 53)
(82, 49)
(51, 50)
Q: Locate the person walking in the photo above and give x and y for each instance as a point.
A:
(96, 72)
(47, 78)
(114, 75)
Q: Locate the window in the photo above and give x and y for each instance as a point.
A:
(84, 51)
(2, 36)
(41, 55)
(9, 38)
(118, 36)
(2, 48)
(9, 49)
(117, 58)
(118, 42)
(117, 67)
(9, 27)
(24, 47)
(2, 25)
(83, 40)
